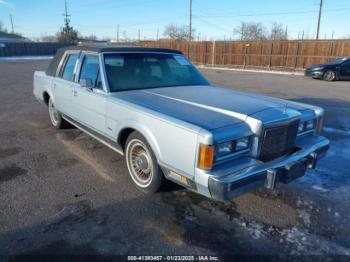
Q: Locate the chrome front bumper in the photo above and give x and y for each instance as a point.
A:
(268, 174)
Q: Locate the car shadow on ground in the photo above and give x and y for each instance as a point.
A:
(177, 221)
(158, 227)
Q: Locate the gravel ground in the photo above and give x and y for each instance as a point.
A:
(62, 192)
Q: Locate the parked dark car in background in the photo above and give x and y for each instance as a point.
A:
(338, 69)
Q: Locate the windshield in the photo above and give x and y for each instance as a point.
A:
(338, 61)
(132, 71)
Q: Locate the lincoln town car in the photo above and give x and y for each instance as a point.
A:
(154, 107)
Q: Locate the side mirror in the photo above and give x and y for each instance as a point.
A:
(87, 83)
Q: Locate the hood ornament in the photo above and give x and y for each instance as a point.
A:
(285, 108)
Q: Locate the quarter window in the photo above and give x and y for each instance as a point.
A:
(90, 70)
(68, 70)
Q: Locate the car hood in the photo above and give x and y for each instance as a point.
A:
(204, 106)
(316, 65)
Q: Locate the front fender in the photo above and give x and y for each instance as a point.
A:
(145, 131)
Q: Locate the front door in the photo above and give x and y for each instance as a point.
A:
(345, 70)
(89, 97)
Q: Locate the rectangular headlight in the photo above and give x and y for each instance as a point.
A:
(242, 144)
(301, 127)
(233, 146)
(305, 126)
(225, 148)
(309, 125)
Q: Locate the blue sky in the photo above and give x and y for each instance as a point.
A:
(212, 19)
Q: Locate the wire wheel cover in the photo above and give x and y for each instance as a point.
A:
(140, 163)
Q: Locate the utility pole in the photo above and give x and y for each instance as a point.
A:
(190, 29)
(286, 33)
(118, 33)
(139, 35)
(157, 34)
(319, 20)
(190, 32)
(13, 28)
(66, 15)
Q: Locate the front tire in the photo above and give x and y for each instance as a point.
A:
(142, 164)
(55, 116)
(329, 75)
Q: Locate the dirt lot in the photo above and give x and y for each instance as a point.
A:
(61, 192)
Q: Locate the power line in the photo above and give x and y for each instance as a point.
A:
(212, 24)
(273, 13)
(113, 5)
(153, 21)
(319, 19)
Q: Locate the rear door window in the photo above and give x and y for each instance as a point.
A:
(68, 71)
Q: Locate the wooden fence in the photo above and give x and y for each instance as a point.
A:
(283, 55)
(29, 49)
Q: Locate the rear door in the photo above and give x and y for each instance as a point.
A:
(62, 86)
(90, 102)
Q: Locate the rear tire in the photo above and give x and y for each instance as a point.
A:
(329, 75)
(142, 164)
(55, 116)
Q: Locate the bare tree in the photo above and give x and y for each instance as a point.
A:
(106, 39)
(91, 38)
(278, 32)
(178, 32)
(251, 31)
(47, 38)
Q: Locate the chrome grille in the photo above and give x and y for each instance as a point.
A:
(278, 141)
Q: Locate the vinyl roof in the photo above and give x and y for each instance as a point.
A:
(101, 48)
